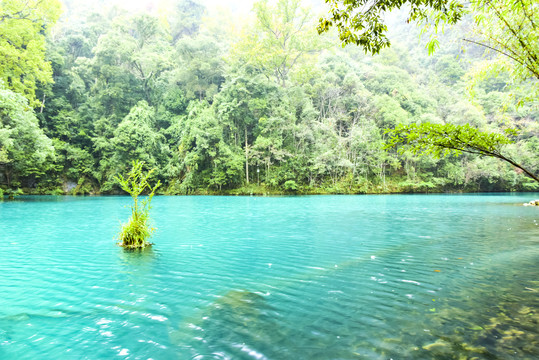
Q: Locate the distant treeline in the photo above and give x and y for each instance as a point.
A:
(267, 106)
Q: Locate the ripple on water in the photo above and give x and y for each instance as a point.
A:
(369, 277)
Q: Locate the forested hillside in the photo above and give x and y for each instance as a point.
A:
(224, 104)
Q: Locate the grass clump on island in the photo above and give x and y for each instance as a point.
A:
(137, 231)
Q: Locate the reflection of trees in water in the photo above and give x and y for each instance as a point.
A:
(136, 287)
(134, 260)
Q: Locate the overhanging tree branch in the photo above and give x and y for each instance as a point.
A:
(497, 50)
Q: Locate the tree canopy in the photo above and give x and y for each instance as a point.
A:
(361, 22)
(446, 139)
(24, 148)
(219, 104)
(509, 29)
(23, 28)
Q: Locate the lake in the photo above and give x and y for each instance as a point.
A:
(313, 277)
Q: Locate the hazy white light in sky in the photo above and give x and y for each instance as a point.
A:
(152, 5)
(236, 6)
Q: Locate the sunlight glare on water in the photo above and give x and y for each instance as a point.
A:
(314, 277)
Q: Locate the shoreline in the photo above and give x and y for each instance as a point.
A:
(277, 194)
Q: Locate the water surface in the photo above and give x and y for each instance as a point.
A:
(315, 277)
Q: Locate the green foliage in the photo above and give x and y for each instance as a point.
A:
(445, 139)
(13, 193)
(24, 150)
(136, 137)
(283, 40)
(265, 106)
(136, 232)
(22, 44)
(507, 29)
(184, 19)
(361, 22)
(290, 185)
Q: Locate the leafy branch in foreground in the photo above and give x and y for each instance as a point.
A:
(136, 232)
(445, 139)
(507, 28)
(362, 22)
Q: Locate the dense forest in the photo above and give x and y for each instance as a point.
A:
(258, 103)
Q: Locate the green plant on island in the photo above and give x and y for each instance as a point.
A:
(137, 231)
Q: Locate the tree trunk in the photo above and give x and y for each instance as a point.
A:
(8, 176)
(526, 171)
(42, 104)
(268, 173)
(246, 158)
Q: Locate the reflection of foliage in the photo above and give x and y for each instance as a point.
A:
(142, 258)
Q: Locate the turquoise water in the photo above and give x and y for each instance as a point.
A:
(315, 277)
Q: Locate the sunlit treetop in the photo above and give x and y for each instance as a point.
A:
(23, 26)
